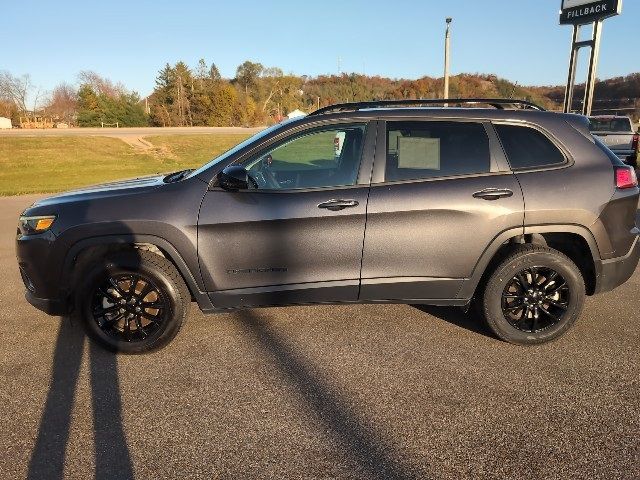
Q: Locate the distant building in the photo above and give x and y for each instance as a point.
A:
(5, 122)
(296, 113)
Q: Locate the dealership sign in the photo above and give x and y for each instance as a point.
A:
(579, 12)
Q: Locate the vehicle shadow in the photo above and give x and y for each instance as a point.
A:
(456, 316)
(375, 457)
(112, 457)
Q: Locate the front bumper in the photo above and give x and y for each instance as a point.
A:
(48, 305)
(616, 271)
(40, 268)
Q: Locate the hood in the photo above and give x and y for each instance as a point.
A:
(135, 185)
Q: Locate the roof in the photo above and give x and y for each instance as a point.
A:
(497, 103)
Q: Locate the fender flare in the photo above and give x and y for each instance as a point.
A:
(194, 282)
(469, 286)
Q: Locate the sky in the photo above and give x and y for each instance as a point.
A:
(129, 41)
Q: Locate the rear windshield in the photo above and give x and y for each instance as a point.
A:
(610, 125)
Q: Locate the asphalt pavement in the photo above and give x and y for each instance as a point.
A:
(371, 392)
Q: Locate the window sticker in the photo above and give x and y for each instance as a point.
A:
(419, 153)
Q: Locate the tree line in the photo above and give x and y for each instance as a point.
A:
(256, 95)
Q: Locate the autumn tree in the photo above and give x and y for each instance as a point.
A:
(63, 104)
(247, 74)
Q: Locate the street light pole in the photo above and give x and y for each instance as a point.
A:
(446, 60)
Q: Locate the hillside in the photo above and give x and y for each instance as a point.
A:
(613, 95)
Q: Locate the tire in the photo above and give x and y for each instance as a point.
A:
(133, 301)
(516, 315)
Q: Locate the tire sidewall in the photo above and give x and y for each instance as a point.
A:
(492, 302)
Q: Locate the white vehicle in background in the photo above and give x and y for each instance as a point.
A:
(618, 133)
(338, 142)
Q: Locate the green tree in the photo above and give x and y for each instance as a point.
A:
(123, 108)
(89, 114)
(247, 74)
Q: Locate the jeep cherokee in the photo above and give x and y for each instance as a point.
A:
(499, 204)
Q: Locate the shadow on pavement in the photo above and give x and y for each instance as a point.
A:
(112, 458)
(376, 458)
(456, 316)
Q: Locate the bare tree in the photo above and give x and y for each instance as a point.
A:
(40, 97)
(100, 85)
(16, 89)
(64, 102)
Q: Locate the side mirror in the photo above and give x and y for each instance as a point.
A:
(233, 178)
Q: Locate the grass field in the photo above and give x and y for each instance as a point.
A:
(53, 164)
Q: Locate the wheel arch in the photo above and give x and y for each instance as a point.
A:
(81, 251)
(575, 241)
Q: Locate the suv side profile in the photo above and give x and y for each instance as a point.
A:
(504, 206)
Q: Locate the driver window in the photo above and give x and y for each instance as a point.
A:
(327, 157)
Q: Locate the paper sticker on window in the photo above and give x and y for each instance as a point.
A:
(419, 153)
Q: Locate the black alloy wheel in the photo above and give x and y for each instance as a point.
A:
(535, 299)
(129, 307)
(532, 296)
(132, 301)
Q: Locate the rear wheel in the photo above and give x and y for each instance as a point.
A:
(533, 296)
(133, 302)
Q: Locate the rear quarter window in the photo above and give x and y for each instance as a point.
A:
(527, 147)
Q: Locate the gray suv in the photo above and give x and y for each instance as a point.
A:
(503, 206)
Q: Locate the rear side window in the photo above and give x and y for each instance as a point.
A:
(528, 148)
(417, 150)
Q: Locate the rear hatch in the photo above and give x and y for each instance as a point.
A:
(619, 217)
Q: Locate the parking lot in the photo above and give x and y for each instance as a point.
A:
(367, 391)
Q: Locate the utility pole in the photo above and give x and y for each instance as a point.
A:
(447, 41)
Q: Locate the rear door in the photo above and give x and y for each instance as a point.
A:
(441, 192)
(297, 237)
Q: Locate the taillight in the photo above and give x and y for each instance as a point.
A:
(626, 177)
(634, 143)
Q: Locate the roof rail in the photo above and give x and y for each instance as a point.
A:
(499, 103)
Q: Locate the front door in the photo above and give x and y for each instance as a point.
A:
(296, 235)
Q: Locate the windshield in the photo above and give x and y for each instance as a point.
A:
(610, 125)
(240, 146)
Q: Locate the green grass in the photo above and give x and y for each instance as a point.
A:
(194, 150)
(53, 164)
(313, 151)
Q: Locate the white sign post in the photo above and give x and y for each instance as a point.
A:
(579, 13)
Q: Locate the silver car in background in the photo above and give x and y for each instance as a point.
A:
(617, 133)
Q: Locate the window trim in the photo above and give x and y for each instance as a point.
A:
(366, 156)
(496, 166)
(568, 158)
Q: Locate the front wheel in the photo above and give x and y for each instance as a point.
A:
(133, 302)
(533, 296)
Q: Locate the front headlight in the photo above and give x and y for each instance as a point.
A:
(36, 224)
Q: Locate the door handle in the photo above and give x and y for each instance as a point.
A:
(493, 193)
(336, 205)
